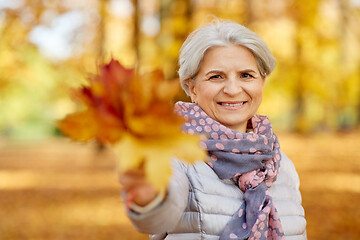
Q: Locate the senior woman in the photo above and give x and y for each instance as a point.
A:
(240, 192)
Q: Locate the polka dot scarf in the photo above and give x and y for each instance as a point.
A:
(252, 160)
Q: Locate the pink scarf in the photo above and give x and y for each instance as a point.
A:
(252, 160)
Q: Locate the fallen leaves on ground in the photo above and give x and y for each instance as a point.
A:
(59, 190)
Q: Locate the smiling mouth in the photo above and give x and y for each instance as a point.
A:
(232, 104)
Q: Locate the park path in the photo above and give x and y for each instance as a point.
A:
(58, 189)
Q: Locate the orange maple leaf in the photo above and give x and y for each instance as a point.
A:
(135, 114)
(105, 106)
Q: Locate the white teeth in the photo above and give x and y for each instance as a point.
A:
(232, 105)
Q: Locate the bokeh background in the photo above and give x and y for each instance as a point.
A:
(52, 188)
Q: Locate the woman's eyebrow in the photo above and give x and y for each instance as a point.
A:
(248, 70)
(214, 72)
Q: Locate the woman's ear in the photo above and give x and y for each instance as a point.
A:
(192, 90)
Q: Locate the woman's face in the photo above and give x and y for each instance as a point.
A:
(228, 86)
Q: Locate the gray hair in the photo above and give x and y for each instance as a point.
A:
(221, 33)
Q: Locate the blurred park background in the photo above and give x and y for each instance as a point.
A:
(52, 188)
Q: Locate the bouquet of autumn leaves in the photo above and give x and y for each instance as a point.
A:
(134, 114)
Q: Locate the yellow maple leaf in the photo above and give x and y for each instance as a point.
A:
(155, 155)
(80, 126)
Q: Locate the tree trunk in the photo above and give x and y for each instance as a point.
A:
(136, 33)
(102, 26)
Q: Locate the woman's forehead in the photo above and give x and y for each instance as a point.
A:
(221, 58)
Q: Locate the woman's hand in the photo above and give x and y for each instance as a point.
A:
(137, 189)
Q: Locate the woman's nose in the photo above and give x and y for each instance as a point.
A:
(232, 86)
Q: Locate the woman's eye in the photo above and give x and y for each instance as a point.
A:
(215, 77)
(246, 75)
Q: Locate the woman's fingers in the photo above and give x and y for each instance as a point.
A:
(137, 189)
(132, 178)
